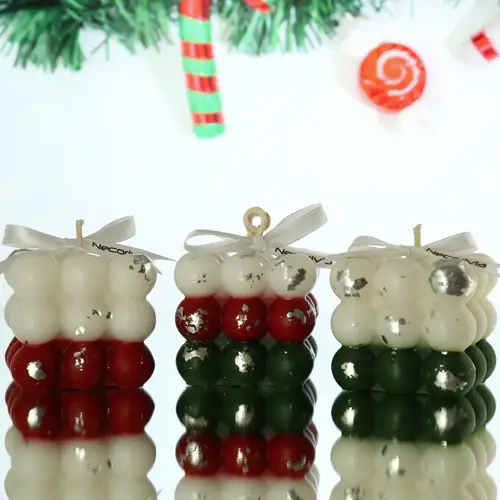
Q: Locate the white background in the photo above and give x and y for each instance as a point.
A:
(116, 140)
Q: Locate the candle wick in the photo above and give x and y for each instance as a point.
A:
(79, 229)
(417, 235)
(249, 220)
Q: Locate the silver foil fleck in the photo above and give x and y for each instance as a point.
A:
(193, 322)
(450, 277)
(244, 415)
(35, 370)
(190, 421)
(244, 362)
(296, 465)
(35, 417)
(199, 352)
(448, 381)
(241, 319)
(193, 455)
(142, 265)
(349, 370)
(351, 285)
(394, 468)
(395, 324)
(297, 279)
(297, 313)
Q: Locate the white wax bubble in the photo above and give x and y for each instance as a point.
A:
(400, 280)
(490, 279)
(488, 483)
(40, 461)
(82, 459)
(400, 326)
(404, 488)
(132, 489)
(90, 488)
(477, 446)
(84, 275)
(352, 323)
(491, 315)
(352, 277)
(245, 275)
(13, 440)
(11, 483)
(489, 445)
(29, 490)
(449, 327)
(131, 276)
(284, 489)
(474, 306)
(191, 488)
(131, 320)
(347, 490)
(34, 320)
(198, 275)
(451, 464)
(292, 275)
(398, 461)
(242, 489)
(353, 458)
(131, 456)
(9, 307)
(83, 320)
(476, 490)
(33, 274)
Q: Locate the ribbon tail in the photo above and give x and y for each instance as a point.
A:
(25, 237)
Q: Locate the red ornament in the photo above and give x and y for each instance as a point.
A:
(34, 367)
(12, 348)
(312, 299)
(130, 364)
(129, 411)
(83, 366)
(198, 318)
(244, 455)
(291, 320)
(392, 76)
(290, 456)
(83, 414)
(244, 319)
(36, 415)
(199, 454)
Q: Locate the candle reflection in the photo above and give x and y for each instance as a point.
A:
(70, 445)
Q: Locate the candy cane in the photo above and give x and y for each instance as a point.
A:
(199, 65)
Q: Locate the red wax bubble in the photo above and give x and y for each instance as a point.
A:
(130, 364)
(392, 76)
(83, 366)
(34, 367)
(244, 455)
(291, 320)
(129, 410)
(198, 318)
(290, 456)
(83, 414)
(244, 319)
(199, 454)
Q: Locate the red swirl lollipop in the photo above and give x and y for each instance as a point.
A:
(392, 76)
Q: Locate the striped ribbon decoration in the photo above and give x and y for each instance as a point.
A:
(199, 65)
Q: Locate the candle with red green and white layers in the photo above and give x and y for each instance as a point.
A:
(199, 65)
(414, 319)
(247, 313)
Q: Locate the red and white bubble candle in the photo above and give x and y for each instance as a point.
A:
(79, 320)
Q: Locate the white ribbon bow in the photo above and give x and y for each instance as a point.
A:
(459, 246)
(276, 241)
(103, 241)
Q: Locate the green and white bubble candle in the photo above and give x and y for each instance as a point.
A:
(414, 319)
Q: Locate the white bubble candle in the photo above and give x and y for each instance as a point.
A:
(79, 312)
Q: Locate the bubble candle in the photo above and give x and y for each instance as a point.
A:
(248, 314)
(79, 312)
(413, 318)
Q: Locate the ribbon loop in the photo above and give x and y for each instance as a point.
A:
(292, 228)
(459, 246)
(103, 241)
